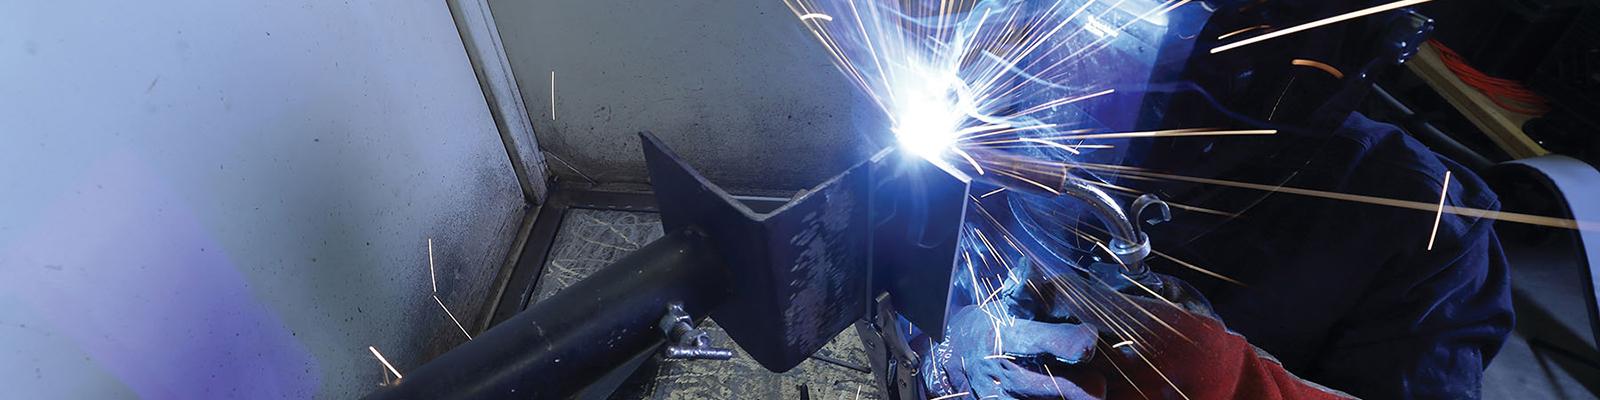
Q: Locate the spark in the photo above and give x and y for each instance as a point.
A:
(945, 84)
(1053, 380)
(1114, 257)
(452, 316)
(1122, 343)
(1100, 311)
(1444, 192)
(432, 278)
(1065, 287)
(1129, 378)
(999, 356)
(821, 16)
(990, 247)
(1317, 24)
(951, 396)
(1016, 130)
(1148, 134)
(1136, 193)
(1102, 245)
(1158, 372)
(1031, 182)
(552, 95)
(924, 73)
(1106, 319)
(1529, 219)
(1069, 149)
(1140, 308)
(1064, 101)
(1318, 65)
(1235, 33)
(1152, 293)
(990, 127)
(1103, 41)
(972, 273)
(1158, 253)
(999, 345)
(992, 295)
(385, 362)
(969, 159)
(1100, 308)
(1168, 258)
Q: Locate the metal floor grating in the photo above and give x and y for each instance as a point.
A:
(592, 230)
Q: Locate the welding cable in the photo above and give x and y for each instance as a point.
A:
(1432, 136)
(1521, 100)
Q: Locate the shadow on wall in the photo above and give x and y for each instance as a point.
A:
(739, 88)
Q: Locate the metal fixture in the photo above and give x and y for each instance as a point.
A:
(686, 342)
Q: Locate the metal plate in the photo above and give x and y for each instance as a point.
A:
(799, 274)
(917, 212)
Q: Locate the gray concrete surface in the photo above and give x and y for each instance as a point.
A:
(738, 88)
(232, 199)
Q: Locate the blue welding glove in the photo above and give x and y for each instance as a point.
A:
(1006, 346)
(985, 354)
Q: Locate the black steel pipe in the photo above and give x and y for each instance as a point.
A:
(559, 345)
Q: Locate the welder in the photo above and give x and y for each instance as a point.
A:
(1303, 296)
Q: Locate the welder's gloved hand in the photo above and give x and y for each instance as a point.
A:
(1012, 358)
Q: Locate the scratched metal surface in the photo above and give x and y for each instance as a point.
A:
(591, 239)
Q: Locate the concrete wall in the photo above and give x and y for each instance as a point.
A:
(736, 86)
(207, 199)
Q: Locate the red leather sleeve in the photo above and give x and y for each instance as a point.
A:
(1195, 357)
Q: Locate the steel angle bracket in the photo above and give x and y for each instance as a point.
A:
(918, 211)
(797, 275)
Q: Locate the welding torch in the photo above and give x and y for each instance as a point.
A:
(1128, 245)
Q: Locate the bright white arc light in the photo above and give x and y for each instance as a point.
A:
(928, 117)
